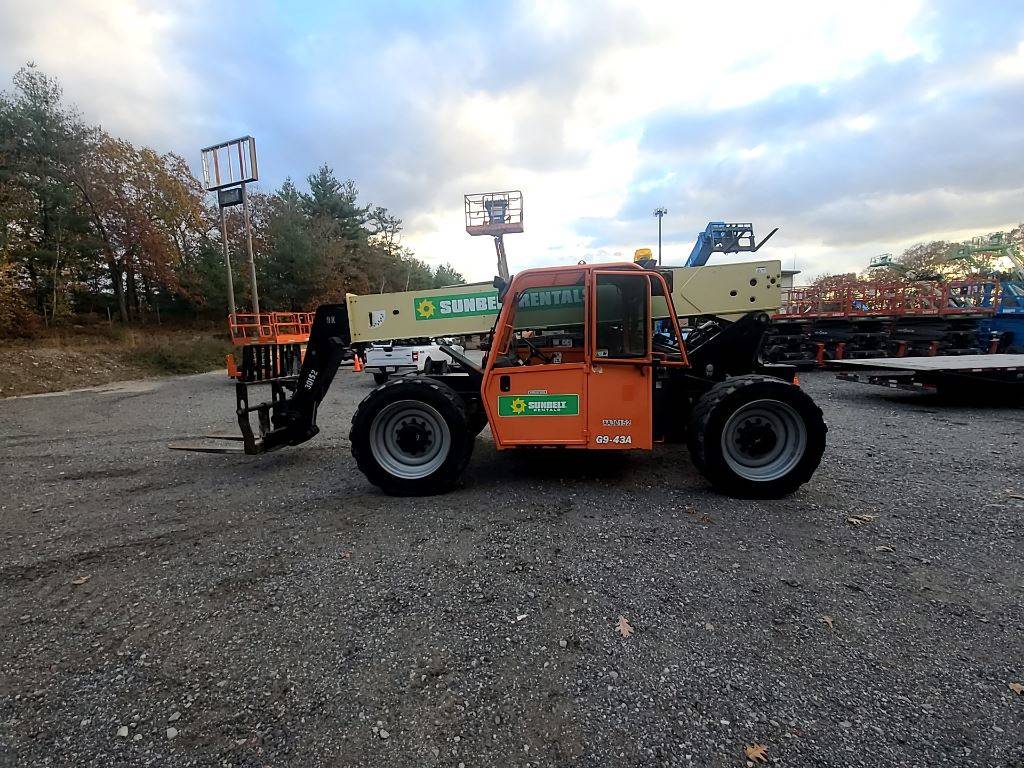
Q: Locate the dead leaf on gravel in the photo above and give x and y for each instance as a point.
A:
(80, 580)
(706, 519)
(860, 519)
(1017, 688)
(624, 627)
(756, 753)
(828, 620)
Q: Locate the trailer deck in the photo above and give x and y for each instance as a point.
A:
(979, 375)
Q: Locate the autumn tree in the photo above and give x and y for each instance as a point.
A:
(16, 317)
(90, 221)
(827, 281)
(41, 142)
(147, 212)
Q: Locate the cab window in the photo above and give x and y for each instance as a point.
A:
(548, 326)
(623, 324)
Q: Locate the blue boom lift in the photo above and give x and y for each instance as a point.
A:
(722, 237)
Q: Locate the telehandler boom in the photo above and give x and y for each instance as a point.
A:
(610, 376)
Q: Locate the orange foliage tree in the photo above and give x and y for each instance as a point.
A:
(147, 210)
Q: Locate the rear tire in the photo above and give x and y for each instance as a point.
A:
(756, 437)
(380, 377)
(412, 437)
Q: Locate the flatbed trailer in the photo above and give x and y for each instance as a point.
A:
(975, 376)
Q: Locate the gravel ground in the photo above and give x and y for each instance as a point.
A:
(177, 609)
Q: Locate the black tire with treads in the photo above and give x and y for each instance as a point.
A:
(711, 414)
(441, 398)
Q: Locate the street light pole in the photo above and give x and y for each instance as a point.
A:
(227, 260)
(227, 168)
(659, 212)
(248, 247)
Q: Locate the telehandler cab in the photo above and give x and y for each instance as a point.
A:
(609, 377)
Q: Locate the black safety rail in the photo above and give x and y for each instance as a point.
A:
(264, 362)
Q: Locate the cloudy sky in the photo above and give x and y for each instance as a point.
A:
(856, 128)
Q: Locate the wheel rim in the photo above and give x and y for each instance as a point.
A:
(410, 439)
(764, 440)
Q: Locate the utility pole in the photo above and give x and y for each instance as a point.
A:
(659, 212)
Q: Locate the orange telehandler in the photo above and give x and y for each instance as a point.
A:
(610, 377)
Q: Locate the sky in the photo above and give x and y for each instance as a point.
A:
(855, 128)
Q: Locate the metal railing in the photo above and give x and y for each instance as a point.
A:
(270, 327)
(494, 213)
(891, 299)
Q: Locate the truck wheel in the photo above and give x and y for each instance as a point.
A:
(379, 377)
(411, 437)
(756, 437)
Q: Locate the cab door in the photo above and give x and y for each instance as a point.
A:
(535, 394)
(619, 378)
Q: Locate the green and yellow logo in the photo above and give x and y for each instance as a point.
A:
(538, 405)
(425, 309)
(486, 303)
(456, 305)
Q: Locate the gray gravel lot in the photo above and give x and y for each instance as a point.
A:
(278, 610)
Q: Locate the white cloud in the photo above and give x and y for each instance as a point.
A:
(1011, 66)
(700, 58)
(848, 125)
(116, 61)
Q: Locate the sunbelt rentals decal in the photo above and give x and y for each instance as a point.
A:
(486, 302)
(538, 405)
(456, 305)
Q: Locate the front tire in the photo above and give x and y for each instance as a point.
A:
(412, 437)
(756, 437)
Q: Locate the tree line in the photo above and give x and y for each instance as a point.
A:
(93, 226)
(936, 261)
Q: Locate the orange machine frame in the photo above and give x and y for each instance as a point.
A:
(267, 328)
(270, 327)
(600, 403)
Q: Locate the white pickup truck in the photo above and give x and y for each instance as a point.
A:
(385, 360)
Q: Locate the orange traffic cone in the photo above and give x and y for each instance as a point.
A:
(357, 364)
(796, 380)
